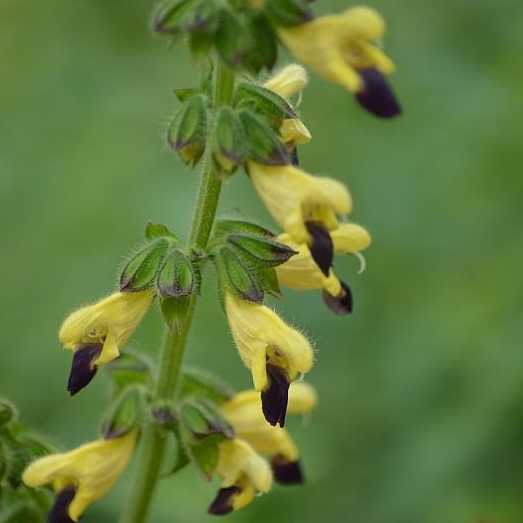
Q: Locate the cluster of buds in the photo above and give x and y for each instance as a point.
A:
(259, 131)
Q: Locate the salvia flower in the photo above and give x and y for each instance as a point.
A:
(288, 81)
(244, 474)
(275, 353)
(305, 206)
(342, 48)
(97, 332)
(82, 476)
(244, 414)
(301, 272)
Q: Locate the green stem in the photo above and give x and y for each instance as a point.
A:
(175, 338)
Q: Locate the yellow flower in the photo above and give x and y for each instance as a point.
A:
(244, 474)
(342, 49)
(302, 273)
(274, 352)
(306, 206)
(81, 476)
(288, 81)
(97, 332)
(243, 412)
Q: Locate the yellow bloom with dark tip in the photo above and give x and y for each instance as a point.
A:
(97, 332)
(243, 412)
(307, 207)
(82, 476)
(301, 272)
(342, 48)
(275, 353)
(287, 82)
(244, 474)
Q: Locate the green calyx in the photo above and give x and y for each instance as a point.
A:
(140, 271)
(229, 144)
(245, 256)
(264, 143)
(187, 132)
(288, 12)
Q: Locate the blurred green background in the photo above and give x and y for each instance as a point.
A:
(421, 415)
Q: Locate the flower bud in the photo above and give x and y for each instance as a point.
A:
(229, 145)
(265, 146)
(140, 271)
(176, 277)
(188, 130)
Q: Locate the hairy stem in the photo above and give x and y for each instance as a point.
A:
(175, 338)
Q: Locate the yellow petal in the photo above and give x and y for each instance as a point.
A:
(335, 46)
(92, 469)
(302, 398)
(262, 337)
(288, 81)
(350, 238)
(239, 461)
(294, 132)
(293, 196)
(301, 272)
(111, 321)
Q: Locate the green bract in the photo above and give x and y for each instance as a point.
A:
(264, 144)
(140, 271)
(187, 132)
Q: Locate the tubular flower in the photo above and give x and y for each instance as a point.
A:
(244, 474)
(274, 352)
(287, 82)
(244, 414)
(81, 476)
(95, 333)
(302, 273)
(305, 206)
(342, 49)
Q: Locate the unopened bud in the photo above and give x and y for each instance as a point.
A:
(188, 130)
(229, 144)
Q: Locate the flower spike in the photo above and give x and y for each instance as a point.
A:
(95, 333)
(274, 352)
(81, 476)
(341, 49)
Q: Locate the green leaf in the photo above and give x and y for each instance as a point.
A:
(140, 271)
(172, 17)
(235, 275)
(158, 230)
(264, 144)
(174, 309)
(130, 369)
(176, 276)
(264, 101)
(264, 43)
(268, 251)
(288, 12)
(198, 383)
(232, 39)
(124, 413)
(7, 412)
